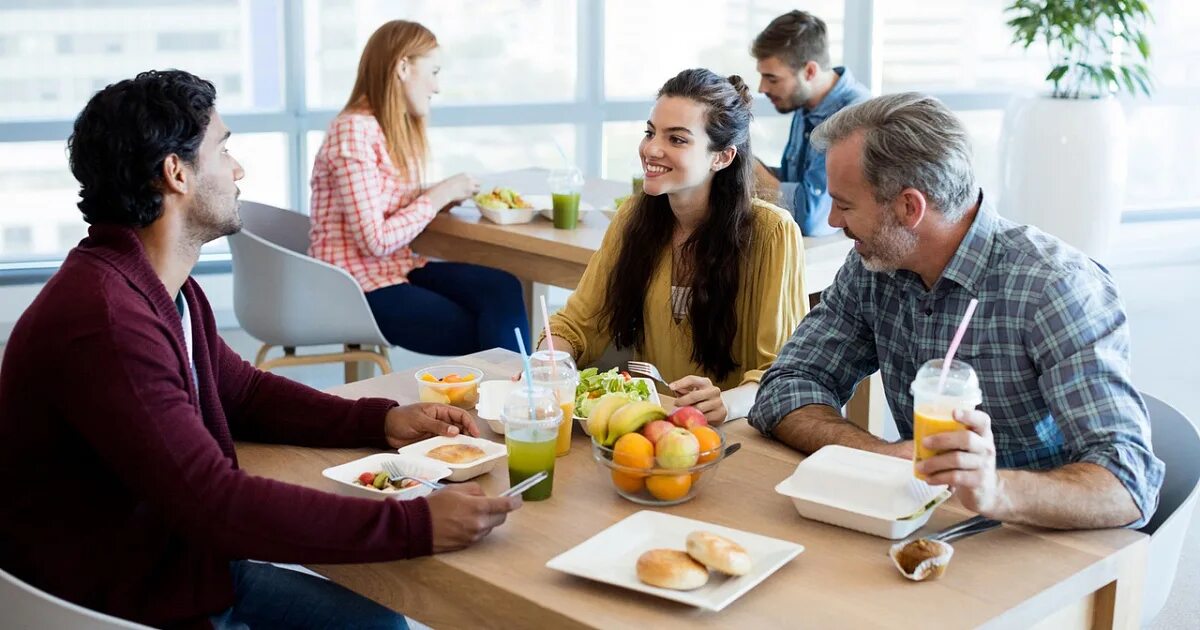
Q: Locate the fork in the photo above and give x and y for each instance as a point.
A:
(969, 527)
(648, 369)
(395, 474)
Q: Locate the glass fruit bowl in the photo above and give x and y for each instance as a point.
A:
(456, 385)
(658, 480)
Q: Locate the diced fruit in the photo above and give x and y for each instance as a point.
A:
(628, 483)
(429, 377)
(656, 429)
(669, 487)
(688, 417)
(677, 449)
(709, 440)
(634, 451)
(454, 378)
(367, 478)
(381, 481)
(434, 395)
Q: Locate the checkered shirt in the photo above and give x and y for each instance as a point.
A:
(364, 214)
(1049, 342)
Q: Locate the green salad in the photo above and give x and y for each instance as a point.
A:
(593, 384)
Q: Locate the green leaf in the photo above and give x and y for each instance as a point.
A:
(1057, 73)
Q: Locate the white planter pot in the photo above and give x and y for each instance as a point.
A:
(1064, 168)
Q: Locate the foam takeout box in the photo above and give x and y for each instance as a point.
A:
(868, 492)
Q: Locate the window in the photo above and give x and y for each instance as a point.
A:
(942, 45)
(81, 46)
(502, 51)
(523, 83)
(647, 43)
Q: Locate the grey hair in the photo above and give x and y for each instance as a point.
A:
(911, 141)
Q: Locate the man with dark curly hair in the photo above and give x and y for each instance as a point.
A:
(119, 404)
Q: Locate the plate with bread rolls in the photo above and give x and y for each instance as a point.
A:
(681, 559)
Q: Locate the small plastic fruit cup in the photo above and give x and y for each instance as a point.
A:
(456, 385)
(659, 486)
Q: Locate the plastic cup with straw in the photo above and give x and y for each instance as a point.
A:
(561, 376)
(530, 438)
(940, 388)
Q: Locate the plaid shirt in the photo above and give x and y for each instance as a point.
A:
(363, 214)
(1049, 342)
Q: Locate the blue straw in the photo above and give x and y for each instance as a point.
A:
(528, 372)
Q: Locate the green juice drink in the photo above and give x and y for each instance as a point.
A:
(566, 210)
(531, 417)
(530, 452)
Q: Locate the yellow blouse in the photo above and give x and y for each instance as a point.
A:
(769, 305)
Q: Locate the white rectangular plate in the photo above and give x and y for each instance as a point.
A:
(611, 557)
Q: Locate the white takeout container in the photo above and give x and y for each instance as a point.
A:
(345, 475)
(867, 492)
(493, 455)
(491, 401)
(509, 216)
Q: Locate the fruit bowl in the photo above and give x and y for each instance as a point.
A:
(642, 477)
(456, 385)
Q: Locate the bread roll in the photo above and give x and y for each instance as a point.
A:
(456, 453)
(671, 568)
(718, 553)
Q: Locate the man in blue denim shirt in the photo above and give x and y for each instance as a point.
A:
(793, 59)
(1062, 438)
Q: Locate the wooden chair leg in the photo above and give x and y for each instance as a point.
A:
(385, 365)
(351, 368)
(262, 355)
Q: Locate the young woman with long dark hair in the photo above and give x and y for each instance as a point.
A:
(695, 274)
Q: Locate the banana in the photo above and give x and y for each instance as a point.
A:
(597, 424)
(631, 417)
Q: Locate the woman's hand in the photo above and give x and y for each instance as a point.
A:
(699, 392)
(452, 190)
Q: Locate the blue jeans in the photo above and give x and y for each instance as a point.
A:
(452, 309)
(267, 596)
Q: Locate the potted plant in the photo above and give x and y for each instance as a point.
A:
(1064, 153)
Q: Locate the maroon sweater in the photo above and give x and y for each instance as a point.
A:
(122, 489)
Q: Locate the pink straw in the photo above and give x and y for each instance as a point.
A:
(958, 336)
(549, 338)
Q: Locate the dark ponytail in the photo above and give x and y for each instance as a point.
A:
(715, 252)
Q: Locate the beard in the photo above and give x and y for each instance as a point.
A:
(215, 215)
(795, 101)
(888, 247)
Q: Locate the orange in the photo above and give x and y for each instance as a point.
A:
(627, 483)
(635, 451)
(669, 487)
(710, 441)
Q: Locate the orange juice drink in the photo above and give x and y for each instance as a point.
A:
(556, 371)
(934, 407)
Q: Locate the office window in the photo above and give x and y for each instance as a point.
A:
(943, 45)
(502, 51)
(16, 240)
(647, 43)
(81, 46)
(38, 192)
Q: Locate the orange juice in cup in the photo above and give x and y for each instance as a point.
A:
(933, 408)
(556, 371)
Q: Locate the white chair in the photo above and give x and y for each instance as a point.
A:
(1176, 442)
(284, 297)
(25, 607)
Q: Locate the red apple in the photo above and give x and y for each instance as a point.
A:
(687, 417)
(656, 429)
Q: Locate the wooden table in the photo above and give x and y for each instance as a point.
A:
(1014, 577)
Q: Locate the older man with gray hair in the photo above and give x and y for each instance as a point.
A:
(1062, 438)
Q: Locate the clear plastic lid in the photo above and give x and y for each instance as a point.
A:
(534, 407)
(961, 390)
(553, 367)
